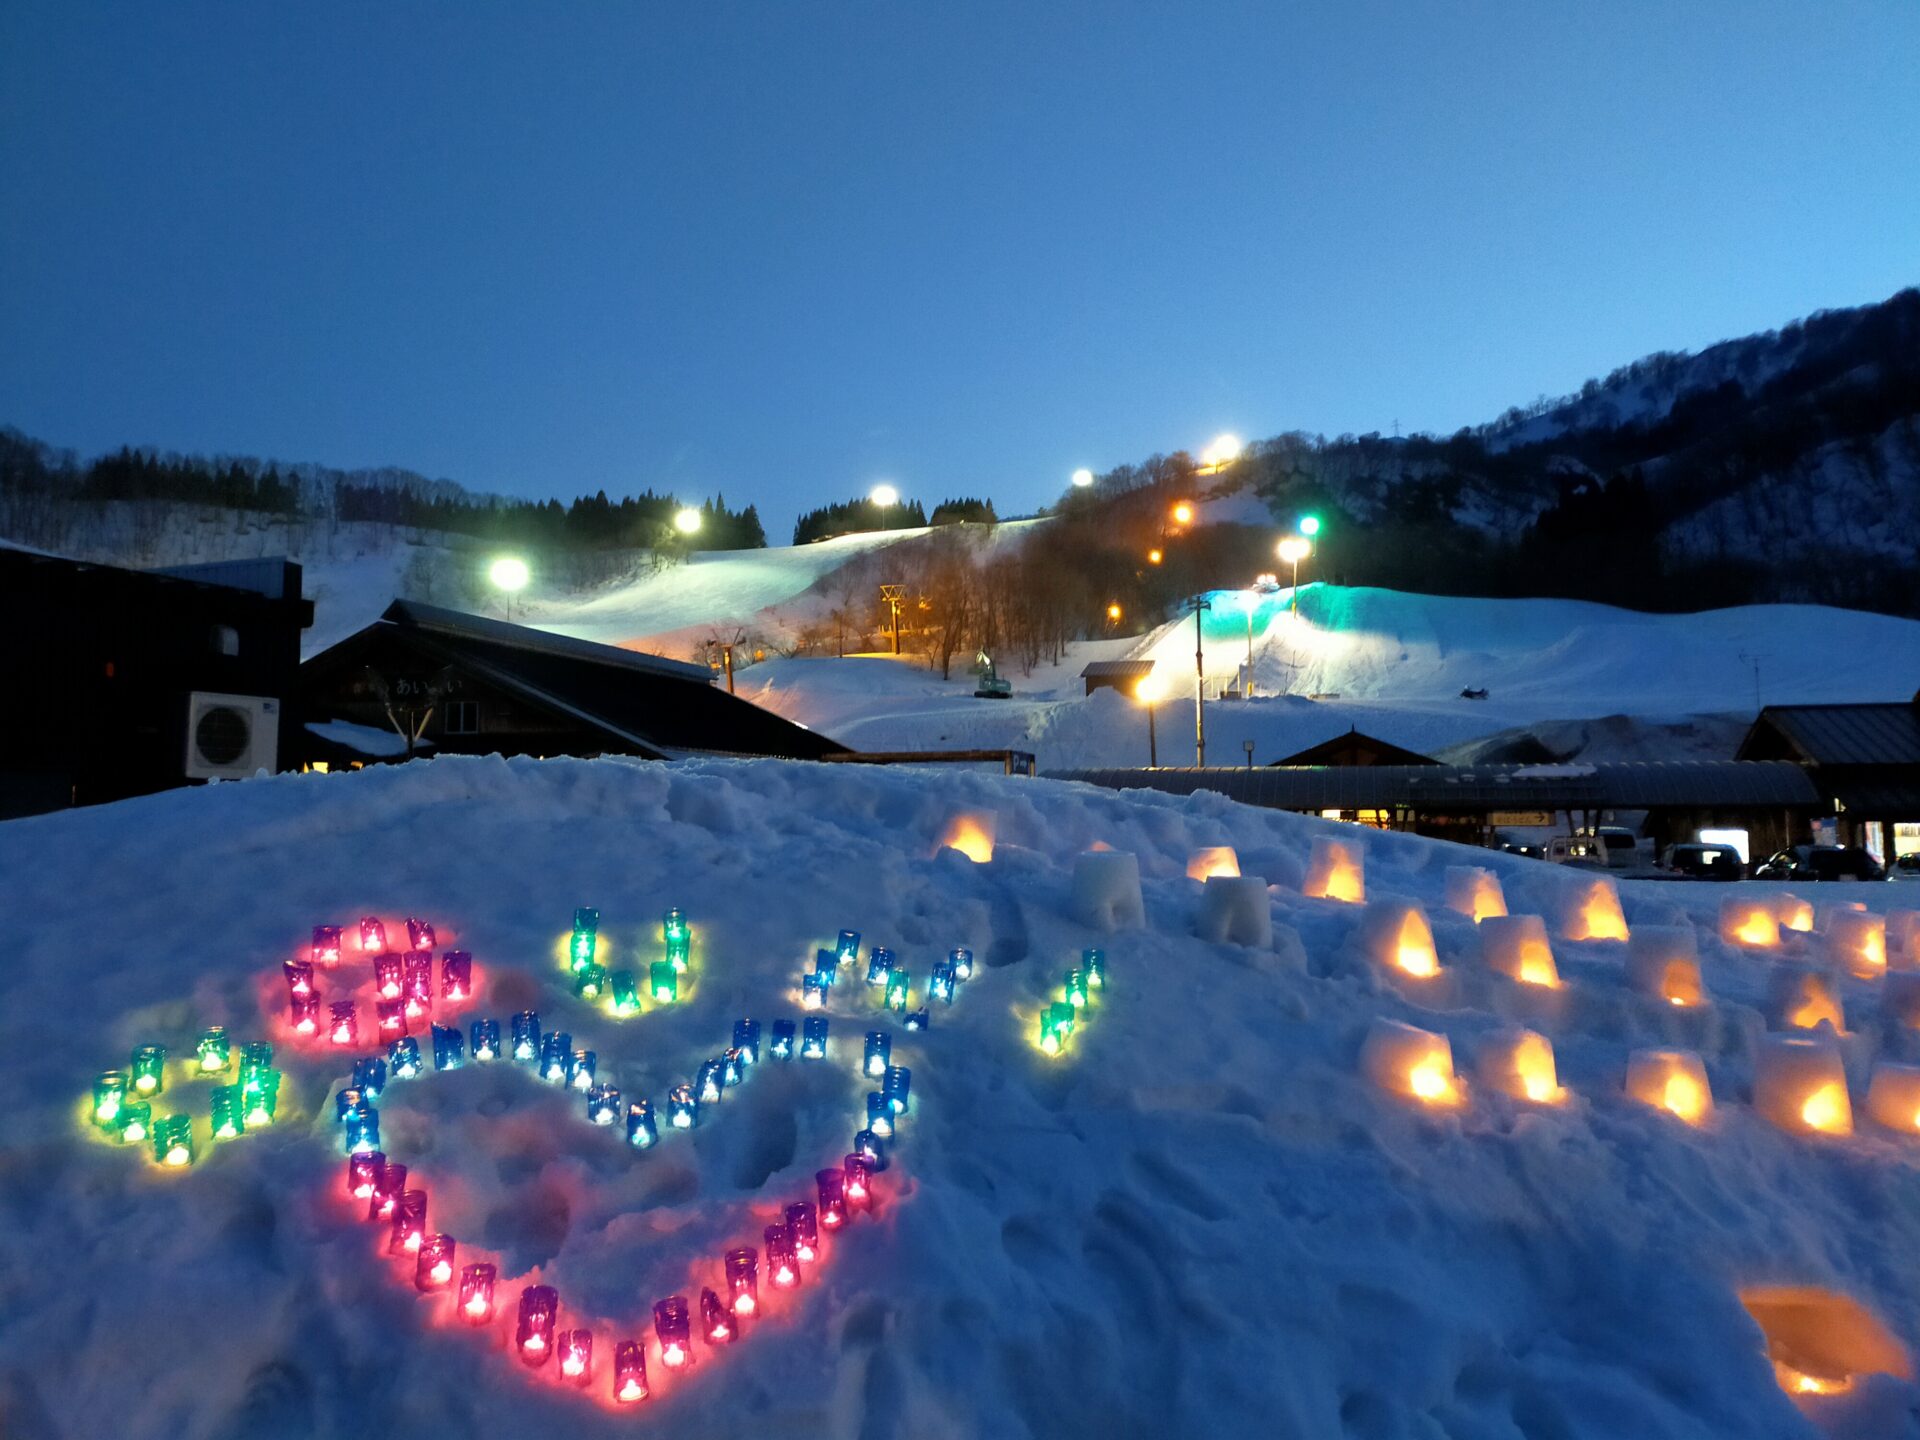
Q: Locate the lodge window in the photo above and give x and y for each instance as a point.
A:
(463, 717)
(225, 640)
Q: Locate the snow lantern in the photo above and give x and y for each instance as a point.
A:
(1903, 939)
(343, 1024)
(1893, 1096)
(831, 1185)
(803, 1224)
(456, 976)
(1663, 961)
(813, 1038)
(1593, 912)
(1858, 941)
(1793, 913)
(526, 1036)
(214, 1050)
(1234, 910)
(1516, 946)
(1802, 999)
(434, 1268)
(1106, 890)
(716, 1323)
(879, 1050)
(1820, 1342)
(961, 959)
(630, 1372)
(576, 1356)
(1475, 893)
(1749, 920)
(476, 1293)
(533, 1335)
(149, 1069)
(1519, 1064)
(1671, 1080)
(673, 1325)
(1417, 1064)
(1801, 1086)
(1336, 871)
(409, 1223)
(1396, 934)
(783, 1265)
(683, 1107)
(326, 945)
(743, 1279)
(299, 975)
(1211, 860)
(1900, 998)
(642, 1133)
(971, 833)
(363, 1173)
(373, 936)
(484, 1036)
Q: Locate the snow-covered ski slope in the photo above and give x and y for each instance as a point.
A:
(1199, 1220)
(1391, 663)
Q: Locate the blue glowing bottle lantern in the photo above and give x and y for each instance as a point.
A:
(369, 1075)
(299, 975)
(743, 1280)
(1094, 964)
(623, 992)
(403, 1058)
(373, 936)
(879, 965)
(326, 945)
(433, 1269)
(858, 1183)
(711, 1081)
(918, 1019)
(420, 935)
(485, 1038)
(831, 1186)
(673, 1325)
(590, 982)
(630, 1372)
(229, 1112)
(556, 1056)
(409, 1223)
(663, 982)
(733, 1066)
(642, 1134)
(783, 1266)
(879, 1115)
(343, 1025)
(872, 1149)
(109, 1094)
(149, 1070)
(897, 982)
(803, 1227)
(940, 982)
(388, 1186)
(878, 1054)
(390, 1018)
(362, 1129)
(813, 1038)
(363, 1173)
(813, 992)
(716, 1321)
(389, 976)
(683, 1107)
(134, 1122)
(583, 1068)
(826, 965)
(526, 1037)
(448, 1047)
(897, 1086)
(746, 1039)
(961, 959)
(476, 1293)
(781, 1046)
(848, 946)
(456, 976)
(576, 1356)
(533, 1333)
(346, 1100)
(603, 1105)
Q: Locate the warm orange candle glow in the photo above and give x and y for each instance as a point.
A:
(1212, 860)
(1475, 893)
(1597, 915)
(1415, 1064)
(1749, 921)
(1670, 1080)
(1819, 1341)
(1335, 872)
(971, 835)
(1520, 1064)
(1801, 1086)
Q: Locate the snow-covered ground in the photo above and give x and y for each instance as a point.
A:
(1199, 1220)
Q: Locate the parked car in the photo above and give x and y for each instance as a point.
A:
(1583, 851)
(1697, 860)
(1905, 867)
(1821, 862)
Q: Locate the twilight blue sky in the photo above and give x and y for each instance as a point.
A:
(787, 249)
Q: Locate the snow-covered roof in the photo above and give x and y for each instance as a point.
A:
(520, 637)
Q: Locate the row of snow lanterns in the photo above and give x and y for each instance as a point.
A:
(1059, 1019)
(403, 982)
(887, 975)
(122, 1100)
(621, 988)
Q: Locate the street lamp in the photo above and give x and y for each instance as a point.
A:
(687, 521)
(1198, 604)
(1249, 603)
(884, 496)
(509, 573)
(1183, 513)
(1113, 613)
(1082, 479)
(1309, 525)
(1148, 692)
(1154, 556)
(1293, 550)
(1224, 450)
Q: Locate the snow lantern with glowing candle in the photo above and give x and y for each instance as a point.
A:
(813, 991)
(1591, 911)
(533, 1333)
(1800, 997)
(448, 1047)
(1903, 939)
(456, 976)
(1396, 934)
(1792, 912)
(1671, 1080)
(590, 981)
(476, 1293)
(663, 982)
(363, 1173)
(743, 1280)
(603, 1105)
(858, 1183)
(390, 1018)
(1857, 940)
(583, 1068)
(642, 1133)
(303, 1013)
(1474, 891)
(803, 1226)
(1749, 920)
(173, 1141)
(813, 1038)
(576, 1356)
(1900, 998)
(1663, 962)
(683, 1107)
(897, 982)
(623, 992)
(388, 1186)
(484, 1036)
(847, 946)
(409, 1223)
(417, 989)
(326, 945)
(1893, 1097)
(526, 1037)
(783, 1266)
(433, 1270)
(781, 1046)
(213, 1051)
(971, 833)
(369, 1075)
(1105, 893)
(1336, 871)
(299, 975)
(1211, 860)
(879, 1051)
(716, 1321)
(373, 936)
(229, 1112)
(746, 1039)
(1516, 946)
(403, 1058)
(673, 1327)
(133, 1122)
(897, 1086)
(1414, 1063)
(149, 1070)
(389, 976)
(1519, 1064)
(420, 935)
(109, 1094)
(630, 1372)
(879, 966)
(831, 1187)
(1801, 1086)
(1234, 910)
(343, 1025)
(961, 959)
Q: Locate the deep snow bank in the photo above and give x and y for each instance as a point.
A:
(1201, 1219)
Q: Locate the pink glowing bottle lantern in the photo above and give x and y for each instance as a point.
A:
(390, 1017)
(456, 976)
(533, 1335)
(343, 1028)
(363, 1173)
(674, 1327)
(743, 1280)
(716, 1321)
(388, 1186)
(476, 1293)
(783, 1265)
(299, 975)
(420, 935)
(630, 1372)
(373, 936)
(389, 976)
(576, 1355)
(434, 1268)
(832, 1188)
(409, 1224)
(303, 1012)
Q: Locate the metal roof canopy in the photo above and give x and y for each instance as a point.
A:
(1725, 784)
(433, 619)
(1869, 734)
(1123, 669)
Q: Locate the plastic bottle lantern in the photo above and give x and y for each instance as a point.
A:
(434, 1269)
(917, 1019)
(476, 1293)
(674, 1328)
(261, 1096)
(390, 1018)
(710, 1082)
(623, 992)
(485, 1038)
(858, 1178)
(533, 1334)
(576, 1356)
(586, 918)
(363, 1173)
(1075, 989)
(583, 1067)
(403, 1058)
(848, 946)
(373, 936)
(409, 1223)
(743, 1280)
(683, 1107)
(389, 976)
(388, 1186)
(109, 1094)
(173, 1141)
(603, 1105)
(679, 938)
(870, 1148)
(134, 1122)
(878, 1052)
(940, 982)
(556, 1055)
(879, 1115)
(255, 1056)
(299, 975)
(783, 1265)
(362, 1133)
(897, 1086)
(369, 1075)
(879, 965)
(642, 1134)
(630, 1372)
(813, 1038)
(826, 965)
(803, 1224)
(590, 981)
(526, 1036)
(961, 959)
(229, 1112)
(347, 1101)
(746, 1039)
(715, 1321)
(326, 946)
(420, 935)
(417, 995)
(582, 947)
(781, 1045)
(343, 1025)
(663, 981)
(1094, 963)
(673, 925)
(149, 1069)
(448, 1047)
(831, 1187)
(897, 982)
(303, 1013)
(813, 992)
(456, 976)
(733, 1066)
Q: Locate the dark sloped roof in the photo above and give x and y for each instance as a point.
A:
(1117, 669)
(1440, 788)
(1390, 753)
(1883, 734)
(414, 615)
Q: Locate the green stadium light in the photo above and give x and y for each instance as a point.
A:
(1309, 525)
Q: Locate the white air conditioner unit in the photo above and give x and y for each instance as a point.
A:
(229, 737)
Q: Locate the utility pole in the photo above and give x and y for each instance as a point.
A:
(1198, 604)
(726, 651)
(890, 595)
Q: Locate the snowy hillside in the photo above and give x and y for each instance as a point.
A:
(1221, 1209)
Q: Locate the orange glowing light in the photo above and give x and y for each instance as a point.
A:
(1814, 1004)
(1753, 923)
(1183, 513)
(1827, 1110)
(1681, 984)
(1600, 915)
(1537, 967)
(1794, 913)
(1682, 1095)
(1204, 864)
(971, 835)
(1154, 557)
(1334, 873)
(1671, 1080)
(1432, 1081)
(1416, 961)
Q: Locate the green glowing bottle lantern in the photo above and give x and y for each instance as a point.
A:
(897, 983)
(1094, 962)
(625, 992)
(260, 1099)
(1050, 1038)
(109, 1094)
(1076, 988)
(215, 1050)
(149, 1069)
(663, 981)
(229, 1112)
(582, 948)
(590, 981)
(173, 1141)
(678, 952)
(674, 926)
(1063, 1020)
(135, 1122)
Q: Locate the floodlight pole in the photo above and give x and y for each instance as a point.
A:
(891, 595)
(1198, 604)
